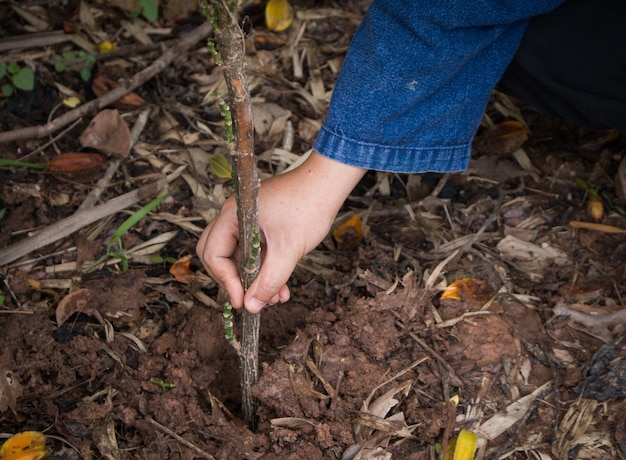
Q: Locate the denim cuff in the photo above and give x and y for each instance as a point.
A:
(399, 159)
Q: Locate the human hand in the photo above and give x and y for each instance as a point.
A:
(296, 210)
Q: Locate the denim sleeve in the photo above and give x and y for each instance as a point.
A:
(416, 79)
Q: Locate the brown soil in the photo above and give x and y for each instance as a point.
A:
(366, 358)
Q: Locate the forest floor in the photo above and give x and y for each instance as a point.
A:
(490, 300)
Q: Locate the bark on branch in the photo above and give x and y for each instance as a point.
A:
(230, 45)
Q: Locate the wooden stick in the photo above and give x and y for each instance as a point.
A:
(230, 42)
(124, 87)
(78, 220)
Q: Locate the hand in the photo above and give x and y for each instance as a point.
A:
(296, 211)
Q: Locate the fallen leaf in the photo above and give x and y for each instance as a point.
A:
(503, 138)
(352, 227)
(462, 446)
(27, 445)
(75, 162)
(74, 302)
(107, 46)
(595, 208)
(278, 15)
(10, 390)
(466, 288)
(107, 133)
(181, 269)
(103, 83)
(220, 166)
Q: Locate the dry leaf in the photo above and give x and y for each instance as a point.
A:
(467, 288)
(278, 15)
(181, 269)
(27, 445)
(75, 162)
(220, 166)
(107, 133)
(74, 302)
(350, 229)
(10, 390)
(103, 83)
(462, 446)
(503, 138)
(595, 208)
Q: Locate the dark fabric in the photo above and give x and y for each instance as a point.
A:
(572, 63)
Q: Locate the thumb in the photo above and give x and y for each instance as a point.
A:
(270, 286)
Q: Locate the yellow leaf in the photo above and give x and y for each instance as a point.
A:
(181, 269)
(466, 288)
(462, 446)
(595, 208)
(352, 225)
(107, 46)
(278, 15)
(28, 445)
(71, 102)
(220, 166)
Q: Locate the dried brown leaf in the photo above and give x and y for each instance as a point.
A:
(108, 133)
(503, 138)
(75, 302)
(10, 390)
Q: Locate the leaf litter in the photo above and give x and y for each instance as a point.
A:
(532, 348)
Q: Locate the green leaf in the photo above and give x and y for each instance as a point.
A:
(220, 166)
(3, 69)
(3, 211)
(20, 164)
(136, 217)
(90, 60)
(24, 79)
(13, 68)
(581, 183)
(7, 90)
(85, 74)
(150, 9)
(2, 300)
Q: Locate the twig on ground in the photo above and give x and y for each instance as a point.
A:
(180, 439)
(78, 220)
(51, 141)
(36, 132)
(454, 379)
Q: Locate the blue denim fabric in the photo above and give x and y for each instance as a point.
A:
(416, 79)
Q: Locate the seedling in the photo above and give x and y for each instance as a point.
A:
(81, 59)
(20, 78)
(20, 164)
(116, 239)
(162, 384)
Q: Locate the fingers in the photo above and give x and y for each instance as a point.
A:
(217, 248)
(269, 287)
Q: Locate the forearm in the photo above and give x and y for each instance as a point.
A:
(416, 80)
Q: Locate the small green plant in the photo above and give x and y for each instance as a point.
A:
(116, 239)
(20, 164)
(80, 59)
(149, 9)
(19, 77)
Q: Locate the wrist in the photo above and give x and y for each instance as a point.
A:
(328, 180)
